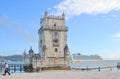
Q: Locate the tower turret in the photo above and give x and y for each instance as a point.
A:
(46, 13)
(31, 54)
(63, 15)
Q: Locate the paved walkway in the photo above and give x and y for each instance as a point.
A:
(65, 75)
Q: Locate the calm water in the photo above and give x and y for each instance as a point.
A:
(82, 64)
(95, 64)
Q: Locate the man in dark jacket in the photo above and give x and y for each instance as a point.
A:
(6, 69)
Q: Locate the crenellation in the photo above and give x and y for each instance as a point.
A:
(55, 17)
(56, 29)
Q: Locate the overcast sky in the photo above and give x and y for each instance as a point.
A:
(94, 25)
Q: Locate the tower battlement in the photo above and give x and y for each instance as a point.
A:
(53, 17)
(47, 16)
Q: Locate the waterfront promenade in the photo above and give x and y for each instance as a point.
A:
(65, 74)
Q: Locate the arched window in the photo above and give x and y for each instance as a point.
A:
(55, 25)
(56, 49)
(40, 42)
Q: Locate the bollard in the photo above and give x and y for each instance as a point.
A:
(20, 68)
(99, 69)
(14, 68)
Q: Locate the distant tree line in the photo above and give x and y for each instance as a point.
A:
(12, 58)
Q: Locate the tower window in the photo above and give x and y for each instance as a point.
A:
(56, 40)
(56, 49)
(40, 42)
(55, 24)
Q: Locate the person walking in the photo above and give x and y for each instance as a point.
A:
(7, 70)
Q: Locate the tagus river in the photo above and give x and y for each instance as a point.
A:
(81, 65)
(95, 64)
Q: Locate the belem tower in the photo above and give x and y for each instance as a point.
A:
(53, 47)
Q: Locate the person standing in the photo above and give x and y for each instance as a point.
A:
(7, 70)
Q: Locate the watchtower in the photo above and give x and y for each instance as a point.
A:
(53, 47)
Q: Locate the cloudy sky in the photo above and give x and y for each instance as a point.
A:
(94, 25)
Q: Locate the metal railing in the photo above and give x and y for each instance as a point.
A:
(14, 67)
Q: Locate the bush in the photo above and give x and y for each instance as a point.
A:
(37, 69)
(28, 68)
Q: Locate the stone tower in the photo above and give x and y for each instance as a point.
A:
(53, 47)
